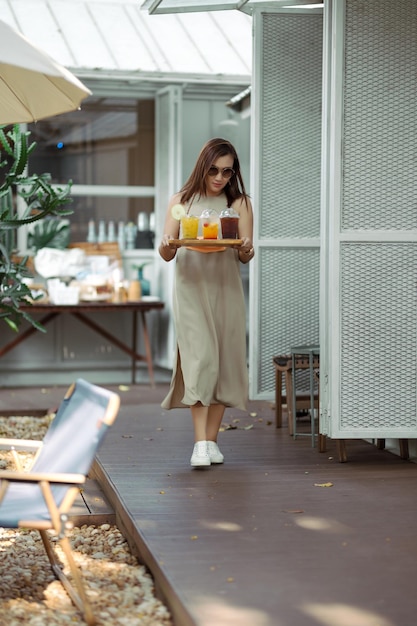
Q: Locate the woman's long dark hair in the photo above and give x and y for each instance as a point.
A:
(196, 183)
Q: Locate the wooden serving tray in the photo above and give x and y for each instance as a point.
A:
(203, 243)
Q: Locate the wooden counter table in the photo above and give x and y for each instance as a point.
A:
(82, 310)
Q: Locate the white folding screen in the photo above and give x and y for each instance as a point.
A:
(369, 295)
(286, 171)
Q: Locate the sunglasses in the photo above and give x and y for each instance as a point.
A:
(226, 172)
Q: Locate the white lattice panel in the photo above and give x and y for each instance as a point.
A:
(289, 292)
(380, 121)
(371, 337)
(378, 382)
(291, 126)
(286, 290)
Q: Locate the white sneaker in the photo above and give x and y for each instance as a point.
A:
(200, 456)
(215, 455)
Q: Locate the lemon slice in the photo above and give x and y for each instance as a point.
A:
(177, 211)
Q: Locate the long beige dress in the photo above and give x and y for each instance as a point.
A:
(210, 322)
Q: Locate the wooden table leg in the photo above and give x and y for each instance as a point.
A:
(147, 348)
(130, 350)
(25, 334)
(134, 346)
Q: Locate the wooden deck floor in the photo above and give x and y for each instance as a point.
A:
(259, 541)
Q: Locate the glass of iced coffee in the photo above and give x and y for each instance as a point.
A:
(229, 221)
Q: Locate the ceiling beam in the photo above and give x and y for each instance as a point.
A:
(159, 7)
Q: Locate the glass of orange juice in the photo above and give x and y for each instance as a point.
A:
(210, 224)
(189, 226)
(210, 230)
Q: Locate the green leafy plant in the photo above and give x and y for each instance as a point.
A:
(39, 199)
(49, 233)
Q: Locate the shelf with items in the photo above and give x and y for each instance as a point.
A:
(129, 236)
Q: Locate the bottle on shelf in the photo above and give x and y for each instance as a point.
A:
(101, 237)
(111, 231)
(91, 235)
(121, 235)
(143, 221)
(130, 236)
(152, 222)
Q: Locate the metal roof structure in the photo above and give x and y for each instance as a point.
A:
(159, 7)
(102, 37)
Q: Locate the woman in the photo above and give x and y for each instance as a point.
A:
(210, 372)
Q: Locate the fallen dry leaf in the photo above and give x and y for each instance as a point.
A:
(323, 484)
(123, 388)
(248, 427)
(293, 511)
(194, 537)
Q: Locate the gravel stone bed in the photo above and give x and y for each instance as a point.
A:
(120, 590)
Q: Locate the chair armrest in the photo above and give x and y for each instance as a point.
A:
(68, 479)
(23, 445)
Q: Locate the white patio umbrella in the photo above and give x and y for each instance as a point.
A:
(32, 85)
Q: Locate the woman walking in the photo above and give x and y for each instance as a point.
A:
(210, 370)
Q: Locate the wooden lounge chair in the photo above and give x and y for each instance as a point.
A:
(42, 497)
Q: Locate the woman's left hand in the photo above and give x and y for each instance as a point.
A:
(246, 251)
(246, 245)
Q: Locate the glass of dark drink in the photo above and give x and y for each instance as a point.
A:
(229, 221)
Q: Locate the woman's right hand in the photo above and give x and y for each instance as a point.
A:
(172, 231)
(167, 250)
(165, 241)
